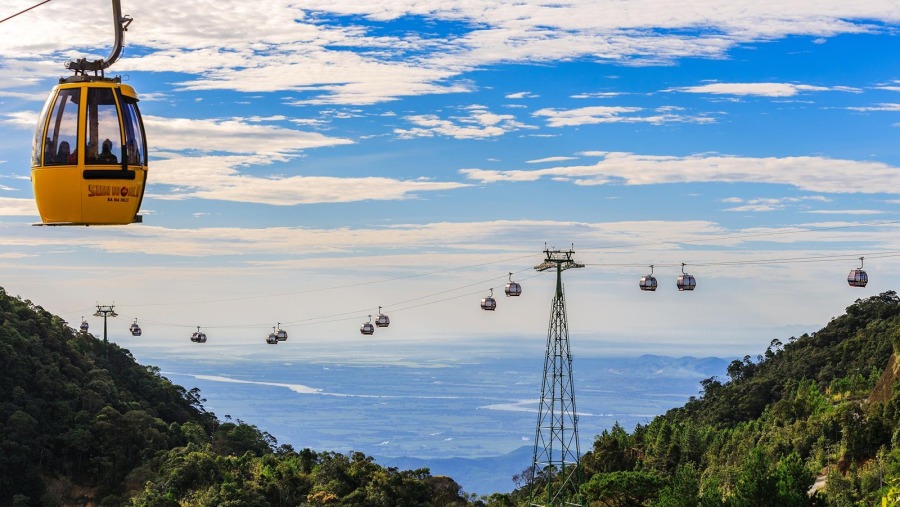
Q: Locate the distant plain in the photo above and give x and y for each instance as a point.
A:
(442, 414)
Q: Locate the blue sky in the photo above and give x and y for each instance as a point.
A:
(312, 160)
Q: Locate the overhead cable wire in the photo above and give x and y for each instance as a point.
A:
(781, 260)
(398, 306)
(459, 268)
(350, 315)
(742, 236)
(334, 287)
(24, 11)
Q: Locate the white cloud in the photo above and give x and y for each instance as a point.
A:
(219, 178)
(521, 95)
(846, 212)
(893, 86)
(879, 107)
(549, 159)
(813, 174)
(304, 48)
(596, 95)
(765, 204)
(232, 136)
(760, 89)
(23, 120)
(372, 249)
(613, 114)
(14, 206)
(478, 124)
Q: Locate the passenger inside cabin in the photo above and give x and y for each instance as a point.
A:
(106, 154)
(62, 156)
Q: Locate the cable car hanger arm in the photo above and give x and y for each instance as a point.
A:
(120, 24)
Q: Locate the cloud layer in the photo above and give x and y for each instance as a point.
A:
(813, 174)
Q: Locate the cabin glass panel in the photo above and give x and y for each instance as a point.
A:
(37, 144)
(61, 143)
(135, 149)
(104, 140)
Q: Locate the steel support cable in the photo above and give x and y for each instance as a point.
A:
(24, 11)
(323, 289)
(356, 314)
(781, 260)
(743, 236)
(338, 317)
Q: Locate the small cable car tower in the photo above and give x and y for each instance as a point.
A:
(106, 311)
(556, 450)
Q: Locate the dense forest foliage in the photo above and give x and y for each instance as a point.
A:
(822, 405)
(81, 423)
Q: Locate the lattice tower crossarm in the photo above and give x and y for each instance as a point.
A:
(105, 311)
(556, 449)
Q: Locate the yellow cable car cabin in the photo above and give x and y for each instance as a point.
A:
(89, 156)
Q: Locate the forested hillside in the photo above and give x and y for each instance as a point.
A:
(818, 405)
(84, 424)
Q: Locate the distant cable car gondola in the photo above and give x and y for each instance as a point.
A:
(858, 277)
(367, 328)
(280, 334)
(135, 329)
(84, 326)
(382, 320)
(489, 303)
(198, 337)
(512, 288)
(648, 282)
(272, 339)
(89, 155)
(685, 281)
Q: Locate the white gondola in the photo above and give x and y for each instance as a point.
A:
(382, 320)
(198, 336)
(84, 326)
(648, 282)
(135, 329)
(280, 334)
(367, 328)
(513, 288)
(489, 303)
(685, 281)
(858, 277)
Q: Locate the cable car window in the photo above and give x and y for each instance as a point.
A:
(135, 150)
(61, 143)
(36, 145)
(104, 142)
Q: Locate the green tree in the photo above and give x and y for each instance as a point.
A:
(756, 482)
(683, 491)
(622, 489)
(793, 481)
